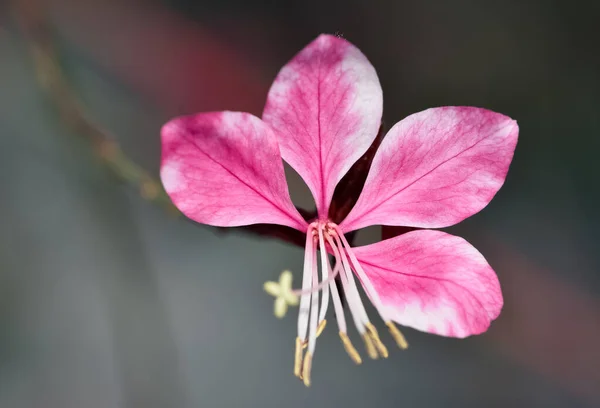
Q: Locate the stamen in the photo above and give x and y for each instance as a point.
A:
(321, 327)
(341, 320)
(314, 308)
(350, 348)
(324, 276)
(298, 358)
(372, 341)
(337, 303)
(353, 289)
(311, 319)
(373, 295)
(306, 366)
(303, 312)
(354, 304)
(371, 350)
(397, 335)
(378, 344)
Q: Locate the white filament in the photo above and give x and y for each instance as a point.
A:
(357, 310)
(310, 316)
(306, 283)
(314, 307)
(371, 292)
(337, 303)
(324, 275)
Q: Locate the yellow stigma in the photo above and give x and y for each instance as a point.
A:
(397, 335)
(298, 358)
(350, 348)
(282, 291)
(306, 366)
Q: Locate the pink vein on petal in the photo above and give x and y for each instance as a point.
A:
(436, 168)
(224, 169)
(325, 106)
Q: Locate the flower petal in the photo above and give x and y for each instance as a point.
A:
(224, 169)
(434, 282)
(325, 106)
(435, 168)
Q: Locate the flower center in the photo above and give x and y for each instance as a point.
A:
(327, 239)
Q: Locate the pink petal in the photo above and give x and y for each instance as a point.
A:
(433, 282)
(224, 169)
(325, 106)
(435, 168)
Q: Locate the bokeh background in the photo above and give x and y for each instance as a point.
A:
(109, 300)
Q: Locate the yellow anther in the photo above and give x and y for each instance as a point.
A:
(376, 341)
(350, 348)
(397, 335)
(371, 350)
(282, 291)
(306, 366)
(321, 327)
(298, 358)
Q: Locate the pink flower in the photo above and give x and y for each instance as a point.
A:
(433, 169)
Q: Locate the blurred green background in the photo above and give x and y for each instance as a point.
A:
(108, 300)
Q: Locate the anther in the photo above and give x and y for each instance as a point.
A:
(321, 327)
(350, 348)
(376, 341)
(298, 358)
(371, 350)
(397, 335)
(306, 366)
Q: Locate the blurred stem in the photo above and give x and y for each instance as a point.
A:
(52, 80)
